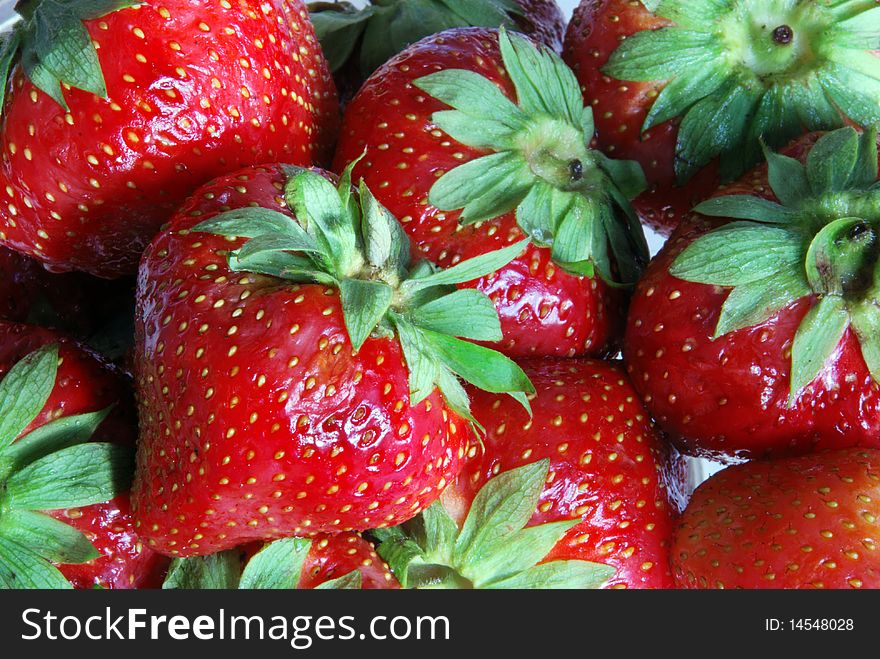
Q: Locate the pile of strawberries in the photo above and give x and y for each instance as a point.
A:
(414, 337)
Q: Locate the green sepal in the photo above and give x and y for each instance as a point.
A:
(55, 47)
(372, 35)
(48, 537)
(865, 320)
(467, 271)
(9, 44)
(466, 313)
(832, 161)
(565, 195)
(494, 547)
(24, 391)
(817, 337)
(277, 566)
(364, 305)
(731, 84)
(753, 303)
(75, 476)
(354, 580)
(23, 568)
(220, 571)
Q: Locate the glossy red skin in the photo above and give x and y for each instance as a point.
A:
(727, 399)
(805, 522)
(334, 556)
(352, 453)
(85, 384)
(608, 467)
(163, 134)
(544, 311)
(620, 108)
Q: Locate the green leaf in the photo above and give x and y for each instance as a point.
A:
(838, 255)
(364, 305)
(291, 267)
(751, 304)
(865, 172)
(861, 32)
(865, 318)
(351, 581)
(627, 175)
(471, 269)
(277, 566)
(255, 248)
(817, 337)
(22, 568)
(509, 556)
(51, 437)
(218, 571)
(468, 314)
(24, 391)
(714, 125)
(441, 533)
(663, 54)
(502, 507)
(788, 179)
(9, 45)
(423, 368)
(455, 396)
(747, 207)
(484, 188)
(739, 253)
(559, 575)
(857, 95)
(49, 538)
(72, 477)
(695, 16)
(338, 28)
(318, 206)
(574, 237)
(399, 552)
(482, 367)
(385, 242)
(543, 210)
(832, 161)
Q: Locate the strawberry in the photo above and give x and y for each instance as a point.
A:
(55, 397)
(117, 110)
(803, 522)
(587, 476)
(486, 142)
(755, 331)
(340, 560)
(303, 380)
(689, 88)
(358, 41)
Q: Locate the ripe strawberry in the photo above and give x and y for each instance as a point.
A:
(359, 41)
(688, 88)
(100, 145)
(612, 492)
(339, 560)
(755, 332)
(303, 381)
(804, 522)
(55, 397)
(471, 179)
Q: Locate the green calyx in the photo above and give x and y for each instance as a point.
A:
(372, 35)
(54, 467)
(566, 196)
(494, 549)
(739, 71)
(821, 239)
(54, 46)
(277, 566)
(351, 242)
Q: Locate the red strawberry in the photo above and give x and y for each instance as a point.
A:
(613, 489)
(52, 414)
(173, 94)
(475, 178)
(358, 41)
(805, 522)
(759, 336)
(274, 405)
(689, 87)
(339, 560)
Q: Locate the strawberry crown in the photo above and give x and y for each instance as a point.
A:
(54, 45)
(493, 549)
(53, 467)
(567, 196)
(374, 34)
(351, 242)
(821, 239)
(738, 71)
(277, 566)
